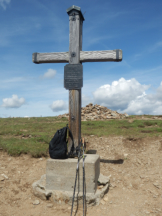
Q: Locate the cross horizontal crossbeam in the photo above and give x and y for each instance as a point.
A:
(85, 56)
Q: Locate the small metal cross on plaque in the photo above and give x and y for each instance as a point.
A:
(73, 72)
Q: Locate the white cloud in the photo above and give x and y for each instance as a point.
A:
(129, 96)
(3, 3)
(49, 74)
(146, 104)
(119, 94)
(159, 92)
(13, 102)
(58, 105)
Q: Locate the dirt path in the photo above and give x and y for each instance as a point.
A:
(136, 184)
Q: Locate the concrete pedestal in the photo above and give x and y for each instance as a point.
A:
(60, 174)
(58, 182)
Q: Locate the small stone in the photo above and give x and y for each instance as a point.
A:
(2, 178)
(158, 210)
(69, 208)
(50, 205)
(102, 202)
(114, 114)
(156, 185)
(105, 199)
(36, 202)
(138, 161)
(112, 185)
(40, 159)
(6, 177)
(130, 186)
(103, 179)
(125, 155)
(100, 186)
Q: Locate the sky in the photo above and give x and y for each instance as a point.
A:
(132, 86)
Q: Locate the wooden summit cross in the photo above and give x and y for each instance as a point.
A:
(73, 72)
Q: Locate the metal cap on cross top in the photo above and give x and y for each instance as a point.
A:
(73, 72)
(74, 8)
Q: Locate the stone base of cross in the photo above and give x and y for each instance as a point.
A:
(73, 72)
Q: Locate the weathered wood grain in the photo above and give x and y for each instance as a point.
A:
(81, 34)
(74, 116)
(85, 56)
(74, 40)
(75, 46)
(55, 57)
(100, 56)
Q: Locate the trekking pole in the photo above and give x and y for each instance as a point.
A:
(83, 175)
(77, 170)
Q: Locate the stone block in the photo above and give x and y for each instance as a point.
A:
(61, 174)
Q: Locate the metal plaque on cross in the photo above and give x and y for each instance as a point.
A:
(73, 76)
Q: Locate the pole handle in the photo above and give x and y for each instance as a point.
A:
(83, 141)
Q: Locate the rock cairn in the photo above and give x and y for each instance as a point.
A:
(97, 112)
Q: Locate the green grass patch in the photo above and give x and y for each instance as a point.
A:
(137, 128)
(28, 135)
(32, 135)
(15, 147)
(150, 123)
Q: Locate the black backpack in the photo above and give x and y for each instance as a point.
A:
(58, 144)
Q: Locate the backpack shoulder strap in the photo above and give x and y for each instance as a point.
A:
(72, 147)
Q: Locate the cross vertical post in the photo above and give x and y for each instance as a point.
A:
(75, 46)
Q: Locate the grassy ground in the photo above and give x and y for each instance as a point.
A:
(32, 135)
